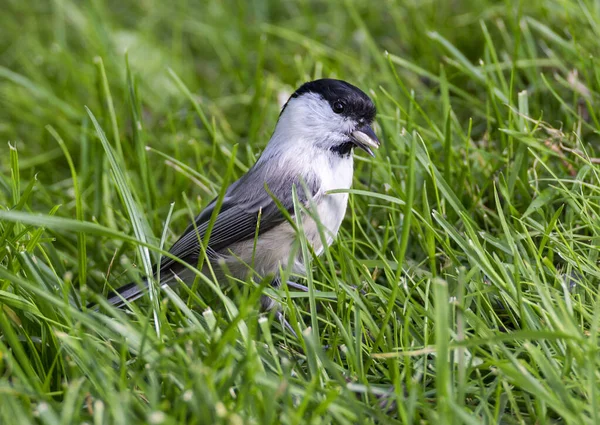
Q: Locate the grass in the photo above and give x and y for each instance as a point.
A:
(463, 287)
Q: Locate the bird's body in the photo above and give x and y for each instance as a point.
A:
(311, 150)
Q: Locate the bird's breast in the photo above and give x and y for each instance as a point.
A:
(330, 207)
(274, 247)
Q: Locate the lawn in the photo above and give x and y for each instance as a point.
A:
(462, 288)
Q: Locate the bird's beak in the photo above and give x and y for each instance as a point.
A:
(365, 138)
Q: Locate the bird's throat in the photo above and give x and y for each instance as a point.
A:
(343, 149)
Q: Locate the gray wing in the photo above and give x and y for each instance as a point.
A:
(238, 216)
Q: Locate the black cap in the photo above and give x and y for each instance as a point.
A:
(344, 98)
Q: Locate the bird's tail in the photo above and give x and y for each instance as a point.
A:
(127, 293)
(134, 290)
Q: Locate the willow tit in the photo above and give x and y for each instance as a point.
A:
(311, 148)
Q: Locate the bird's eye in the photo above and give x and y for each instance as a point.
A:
(338, 107)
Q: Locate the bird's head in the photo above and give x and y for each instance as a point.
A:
(329, 114)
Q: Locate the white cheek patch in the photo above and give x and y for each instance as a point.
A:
(315, 114)
(307, 124)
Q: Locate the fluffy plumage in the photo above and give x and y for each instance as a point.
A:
(311, 147)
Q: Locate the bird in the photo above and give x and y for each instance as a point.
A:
(311, 149)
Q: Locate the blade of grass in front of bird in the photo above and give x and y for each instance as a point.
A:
(163, 239)
(138, 221)
(297, 218)
(204, 239)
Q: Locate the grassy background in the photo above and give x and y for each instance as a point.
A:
(473, 235)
